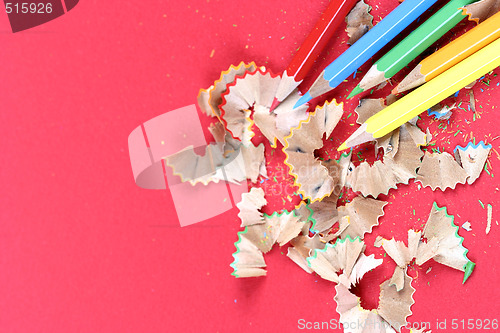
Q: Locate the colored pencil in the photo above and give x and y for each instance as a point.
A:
(413, 45)
(462, 47)
(426, 96)
(356, 55)
(315, 42)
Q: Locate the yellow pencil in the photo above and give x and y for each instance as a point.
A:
(426, 96)
(451, 54)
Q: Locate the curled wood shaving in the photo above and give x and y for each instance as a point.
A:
(441, 229)
(250, 205)
(353, 317)
(260, 238)
(359, 21)
(359, 216)
(254, 93)
(395, 306)
(440, 170)
(221, 161)
(472, 158)
(393, 310)
(481, 10)
(210, 99)
(301, 248)
(346, 255)
(314, 180)
(400, 163)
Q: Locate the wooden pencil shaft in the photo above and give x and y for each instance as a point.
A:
(312, 46)
(434, 91)
(462, 47)
(417, 41)
(356, 55)
(451, 54)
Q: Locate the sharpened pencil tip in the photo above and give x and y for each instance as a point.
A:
(342, 147)
(468, 268)
(303, 100)
(355, 91)
(274, 105)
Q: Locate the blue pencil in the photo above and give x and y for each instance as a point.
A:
(366, 47)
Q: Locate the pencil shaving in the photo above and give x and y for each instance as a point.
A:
(234, 165)
(210, 99)
(301, 248)
(400, 163)
(402, 255)
(249, 163)
(405, 158)
(252, 161)
(441, 229)
(314, 180)
(440, 170)
(260, 238)
(372, 180)
(481, 10)
(324, 213)
(418, 136)
(339, 167)
(276, 125)
(248, 259)
(439, 241)
(350, 311)
(441, 112)
(359, 216)
(368, 107)
(472, 158)
(343, 255)
(395, 306)
(398, 251)
(250, 205)
(247, 102)
(253, 90)
(467, 226)
(196, 168)
(280, 228)
(359, 21)
(290, 225)
(223, 137)
(218, 132)
(363, 265)
(422, 330)
(204, 101)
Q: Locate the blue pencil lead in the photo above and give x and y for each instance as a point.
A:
(303, 100)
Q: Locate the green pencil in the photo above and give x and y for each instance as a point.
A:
(410, 47)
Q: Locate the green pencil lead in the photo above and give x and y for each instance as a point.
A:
(469, 267)
(355, 91)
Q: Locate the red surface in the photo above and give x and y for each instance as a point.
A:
(83, 249)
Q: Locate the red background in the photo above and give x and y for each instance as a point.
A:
(83, 249)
